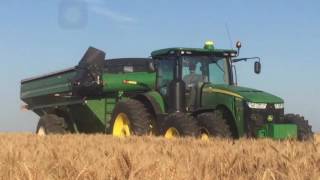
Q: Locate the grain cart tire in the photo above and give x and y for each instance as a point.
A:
(214, 124)
(51, 124)
(179, 125)
(131, 117)
(304, 129)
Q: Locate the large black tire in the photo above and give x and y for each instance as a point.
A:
(140, 119)
(51, 124)
(215, 124)
(304, 129)
(185, 125)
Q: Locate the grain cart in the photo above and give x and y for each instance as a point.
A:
(176, 92)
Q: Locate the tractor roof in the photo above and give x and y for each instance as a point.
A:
(168, 51)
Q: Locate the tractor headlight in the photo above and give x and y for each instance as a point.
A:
(257, 105)
(279, 106)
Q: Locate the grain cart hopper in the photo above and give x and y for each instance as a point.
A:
(176, 92)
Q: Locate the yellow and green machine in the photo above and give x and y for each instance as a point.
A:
(176, 92)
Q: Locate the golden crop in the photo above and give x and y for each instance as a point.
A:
(27, 156)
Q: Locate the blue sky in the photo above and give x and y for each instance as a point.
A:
(39, 36)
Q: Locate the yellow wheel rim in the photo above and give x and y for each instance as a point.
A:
(121, 127)
(171, 133)
(204, 134)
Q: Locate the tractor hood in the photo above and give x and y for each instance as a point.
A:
(248, 94)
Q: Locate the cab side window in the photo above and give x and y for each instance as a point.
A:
(217, 72)
(165, 74)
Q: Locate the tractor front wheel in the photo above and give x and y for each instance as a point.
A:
(129, 118)
(304, 129)
(179, 125)
(214, 124)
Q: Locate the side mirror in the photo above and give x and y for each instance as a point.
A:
(257, 67)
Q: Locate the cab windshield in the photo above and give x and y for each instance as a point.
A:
(197, 69)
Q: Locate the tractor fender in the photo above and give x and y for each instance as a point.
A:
(201, 110)
(152, 101)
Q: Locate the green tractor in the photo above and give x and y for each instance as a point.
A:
(178, 92)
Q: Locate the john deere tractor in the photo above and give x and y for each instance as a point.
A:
(177, 92)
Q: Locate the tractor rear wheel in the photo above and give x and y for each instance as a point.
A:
(214, 124)
(179, 125)
(131, 117)
(304, 129)
(51, 124)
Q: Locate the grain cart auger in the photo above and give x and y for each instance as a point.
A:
(177, 92)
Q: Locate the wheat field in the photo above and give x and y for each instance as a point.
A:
(27, 156)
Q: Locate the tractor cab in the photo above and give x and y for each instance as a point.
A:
(182, 72)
